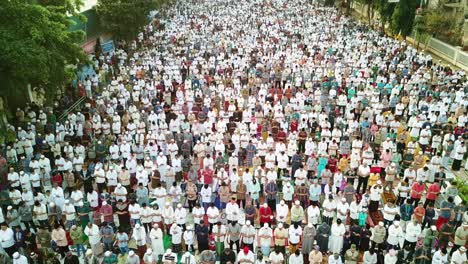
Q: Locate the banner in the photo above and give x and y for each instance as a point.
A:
(89, 46)
(107, 46)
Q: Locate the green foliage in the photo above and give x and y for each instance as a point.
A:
(403, 17)
(35, 46)
(462, 187)
(125, 18)
(440, 24)
(386, 10)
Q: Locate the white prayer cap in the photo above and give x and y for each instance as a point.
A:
(149, 251)
(16, 255)
(131, 253)
(137, 225)
(104, 203)
(107, 254)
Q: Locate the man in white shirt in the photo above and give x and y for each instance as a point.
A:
(92, 231)
(459, 256)
(176, 235)
(13, 179)
(265, 235)
(413, 230)
(440, 257)
(180, 214)
(134, 210)
(395, 232)
(375, 196)
(276, 257)
(245, 256)
(232, 210)
(7, 240)
(342, 210)
(70, 213)
(19, 259)
(389, 213)
(281, 212)
(248, 235)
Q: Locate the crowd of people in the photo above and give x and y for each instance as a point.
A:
(250, 131)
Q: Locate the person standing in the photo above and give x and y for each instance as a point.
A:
(92, 231)
(413, 230)
(58, 235)
(379, 233)
(459, 153)
(352, 255)
(308, 238)
(76, 234)
(336, 240)
(7, 239)
(202, 236)
(315, 256)
(323, 234)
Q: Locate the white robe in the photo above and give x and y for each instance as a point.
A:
(336, 238)
(157, 244)
(59, 198)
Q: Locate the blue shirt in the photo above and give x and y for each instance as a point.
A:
(314, 192)
(122, 239)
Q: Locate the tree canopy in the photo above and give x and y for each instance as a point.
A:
(125, 18)
(36, 44)
(403, 17)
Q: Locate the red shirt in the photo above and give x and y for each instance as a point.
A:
(57, 178)
(265, 214)
(417, 190)
(293, 126)
(106, 211)
(432, 192)
(207, 176)
(281, 135)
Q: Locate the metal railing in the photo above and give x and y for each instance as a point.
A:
(71, 108)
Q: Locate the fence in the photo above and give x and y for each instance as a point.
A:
(453, 55)
(450, 54)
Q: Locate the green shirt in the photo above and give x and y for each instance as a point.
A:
(110, 260)
(77, 235)
(297, 214)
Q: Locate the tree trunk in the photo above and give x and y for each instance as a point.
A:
(368, 14)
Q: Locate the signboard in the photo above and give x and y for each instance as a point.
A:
(107, 46)
(89, 46)
(393, 1)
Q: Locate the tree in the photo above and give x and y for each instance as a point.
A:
(125, 18)
(403, 17)
(386, 10)
(36, 46)
(371, 5)
(437, 23)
